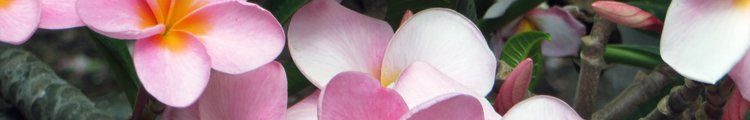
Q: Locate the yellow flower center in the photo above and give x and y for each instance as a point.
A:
(173, 14)
(742, 4)
(525, 26)
(5, 3)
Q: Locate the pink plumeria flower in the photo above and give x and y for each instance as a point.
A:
(20, 18)
(359, 96)
(178, 42)
(704, 40)
(565, 30)
(326, 38)
(542, 107)
(260, 94)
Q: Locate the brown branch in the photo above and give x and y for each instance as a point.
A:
(716, 98)
(38, 93)
(592, 63)
(679, 100)
(644, 87)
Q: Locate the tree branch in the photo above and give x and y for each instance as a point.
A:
(673, 105)
(38, 92)
(592, 63)
(644, 87)
(716, 98)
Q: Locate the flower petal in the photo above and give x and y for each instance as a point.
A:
(498, 9)
(702, 40)
(18, 20)
(447, 107)
(256, 95)
(542, 107)
(741, 77)
(59, 14)
(189, 113)
(736, 107)
(447, 40)
(307, 109)
(326, 38)
(515, 87)
(238, 35)
(358, 96)
(421, 82)
(174, 77)
(122, 19)
(566, 31)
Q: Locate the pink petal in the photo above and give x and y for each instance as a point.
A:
(18, 20)
(421, 82)
(307, 109)
(447, 107)
(447, 40)
(542, 107)
(189, 113)
(175, 77)
(326, 38)
(566, 31)
(238, 35)
(256, 95)
(740, 75)
(515, 87)
(359, 96)
(736, 107)
(59, 14)
(703, 40)
(122, 19)
(624, 14)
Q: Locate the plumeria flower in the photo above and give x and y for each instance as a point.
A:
(20, 18)
(565, 30)
(326, 38)
(359, 96)
(705, 40)
(178, 42)
(542, 107)
(260, 94)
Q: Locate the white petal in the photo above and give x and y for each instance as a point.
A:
(704, 39)
(448, 41)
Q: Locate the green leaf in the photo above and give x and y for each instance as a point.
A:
(526, 45)
(396, 8)
(119, 60)
(284, 9)
(642, 56)
(516, 10)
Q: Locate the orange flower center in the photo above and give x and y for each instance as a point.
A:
(742, 4)
(173, 14)
(5, 3)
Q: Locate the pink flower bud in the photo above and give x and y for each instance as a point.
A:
(627, 15)
(515, 87)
